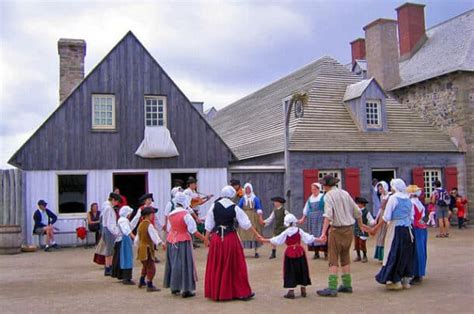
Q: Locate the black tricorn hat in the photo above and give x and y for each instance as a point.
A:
(234, 182)
(329, 180)
(361, 200)
(191, 180)
(148, 211)
(144, 197)
(115, 196)
(278, 199)
(177, 182)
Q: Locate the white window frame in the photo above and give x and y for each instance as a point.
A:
(103, 126)
(334, 172)
(72, 215)
(429, 177)
(369, 116)
(164, 119)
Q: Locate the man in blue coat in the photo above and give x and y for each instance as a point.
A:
(44, 221)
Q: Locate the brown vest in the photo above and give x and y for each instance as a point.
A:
(145, 243)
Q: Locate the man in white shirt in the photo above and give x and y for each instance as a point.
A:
(110, 229)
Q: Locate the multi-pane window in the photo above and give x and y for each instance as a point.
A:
(103, 112)
(372, 114)
(334, 173)
(72, 192)
(431, 176)
(155, 111)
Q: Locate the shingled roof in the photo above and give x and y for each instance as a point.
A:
(449, 47)
(253, 126)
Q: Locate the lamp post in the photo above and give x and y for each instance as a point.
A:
(299, 113)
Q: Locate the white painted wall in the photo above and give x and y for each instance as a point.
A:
(44, 185)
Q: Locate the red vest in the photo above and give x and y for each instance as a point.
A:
(417, 218)
(294, 248)
(179, 229)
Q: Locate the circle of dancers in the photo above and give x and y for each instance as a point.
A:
(332, 220)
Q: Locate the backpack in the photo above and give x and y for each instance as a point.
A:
(443, 198)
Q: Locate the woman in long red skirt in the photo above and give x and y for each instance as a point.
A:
(226, 270)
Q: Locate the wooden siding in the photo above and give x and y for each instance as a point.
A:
(266, 185)
(66, 140)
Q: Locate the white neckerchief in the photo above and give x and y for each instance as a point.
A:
(314, 199)
(177, 210)
(249, 198)
(292, 230)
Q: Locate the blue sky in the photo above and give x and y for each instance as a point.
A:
(216, 51)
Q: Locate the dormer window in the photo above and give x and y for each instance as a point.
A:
(373, 114)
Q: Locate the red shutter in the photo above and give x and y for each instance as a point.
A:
(352, 181)
(309, 176)
(451, 175)
(419, 179)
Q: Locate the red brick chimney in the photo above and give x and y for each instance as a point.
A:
(411, 27)
(71, 65)
(358, 50)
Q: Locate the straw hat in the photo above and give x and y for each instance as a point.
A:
(413, 188)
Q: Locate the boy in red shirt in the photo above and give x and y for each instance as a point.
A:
(461, 203)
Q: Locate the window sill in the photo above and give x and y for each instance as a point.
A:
(104, 130)
(72, 216)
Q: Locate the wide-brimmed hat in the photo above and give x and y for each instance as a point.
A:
(413, 188)
(178, 182)
(42, 203)
(144, 197)
(191, 180)
(329, 180)
(278, 199)
(361, 200)
(115, 196)
(148, 210)
(234, 182)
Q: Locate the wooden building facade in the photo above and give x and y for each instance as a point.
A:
(87, 146)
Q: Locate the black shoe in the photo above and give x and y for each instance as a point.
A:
(316, 256)
(108, 273)
(289, 295)
(327, 293)
(188, 294)
(272, 256)
(55, 246)
(128, 282)
(344, 289)
(257, 255)
(47, 248)
(250, 296)
(141, 284)
(175, 292)
(152, 289)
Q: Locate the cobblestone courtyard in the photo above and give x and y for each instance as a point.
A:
(67, 281)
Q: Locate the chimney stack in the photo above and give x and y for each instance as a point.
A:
(71, 65)
(382, 52)
(358, 50)
(411, 27)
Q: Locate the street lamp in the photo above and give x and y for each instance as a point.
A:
(297, 100)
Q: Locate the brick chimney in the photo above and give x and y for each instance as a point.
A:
(411, 27)
(71, 65)
(358, 50)
(381, 46)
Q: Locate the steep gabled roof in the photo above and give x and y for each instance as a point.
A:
(449, 47)
(253, 126)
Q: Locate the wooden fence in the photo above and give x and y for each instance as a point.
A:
(11, 198)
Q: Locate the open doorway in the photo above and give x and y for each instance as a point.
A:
(132, 186)
(176, 177)
(384, 175)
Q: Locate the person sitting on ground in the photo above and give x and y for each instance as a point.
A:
(93, 221)
(44, 221)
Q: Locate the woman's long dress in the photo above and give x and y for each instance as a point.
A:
(315, 223)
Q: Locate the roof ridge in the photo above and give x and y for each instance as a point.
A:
(275, 81)
(449, 20)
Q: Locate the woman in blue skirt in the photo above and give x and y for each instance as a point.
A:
(421, 235)
(313, 213)
(397, 266)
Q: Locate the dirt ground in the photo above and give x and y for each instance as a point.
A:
(67, 281)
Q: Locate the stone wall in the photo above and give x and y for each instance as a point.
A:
(448, 103)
